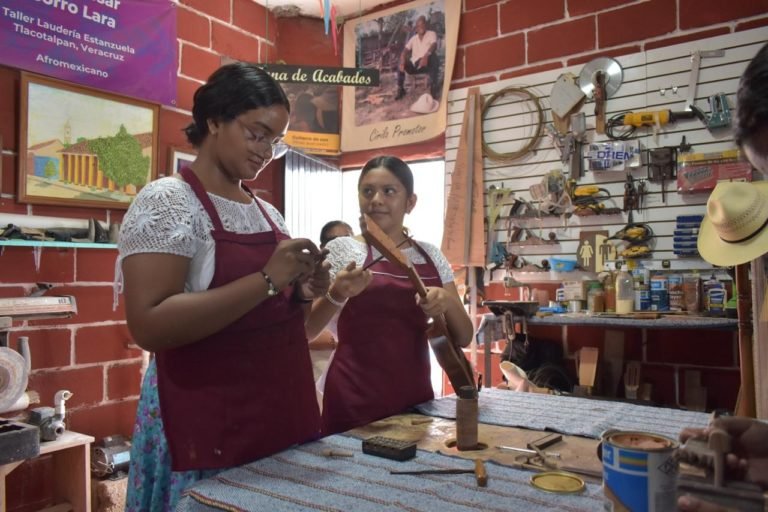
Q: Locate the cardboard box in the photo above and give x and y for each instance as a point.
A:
(700, 172)
(575, 290)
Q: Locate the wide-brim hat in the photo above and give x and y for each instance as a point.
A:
(426, 104)
(735, 228)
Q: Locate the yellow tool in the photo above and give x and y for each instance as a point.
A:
(655, 117)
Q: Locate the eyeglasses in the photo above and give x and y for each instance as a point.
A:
(277, 148)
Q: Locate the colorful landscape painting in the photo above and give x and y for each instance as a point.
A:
(82, 147)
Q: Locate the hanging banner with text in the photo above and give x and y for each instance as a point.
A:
(314, 96)
(413, 46)
(123, 46)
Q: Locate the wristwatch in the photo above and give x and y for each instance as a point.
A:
(271, 288)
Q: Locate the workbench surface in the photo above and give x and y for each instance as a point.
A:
(303, 478)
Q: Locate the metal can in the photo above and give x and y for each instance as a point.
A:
(642, 298)
(639, 471)
(659, 293)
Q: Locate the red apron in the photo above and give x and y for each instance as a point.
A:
(381, 365)
(246, 391)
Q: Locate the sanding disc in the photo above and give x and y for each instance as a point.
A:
(612, 69)
(13, 377)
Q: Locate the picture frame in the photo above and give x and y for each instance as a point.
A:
(83, 147)
(179, 158)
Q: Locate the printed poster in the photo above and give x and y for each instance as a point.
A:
(104, 44)
(413, 46)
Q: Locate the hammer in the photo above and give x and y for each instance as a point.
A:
(480, 474)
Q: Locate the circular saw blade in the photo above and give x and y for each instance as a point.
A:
(613, 72)
(13, 377)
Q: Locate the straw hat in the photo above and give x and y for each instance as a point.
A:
(735, 229)
(426, 104)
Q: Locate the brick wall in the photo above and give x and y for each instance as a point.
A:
(92, 354)
(499, 40)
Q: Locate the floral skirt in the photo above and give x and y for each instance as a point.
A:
(152, 486)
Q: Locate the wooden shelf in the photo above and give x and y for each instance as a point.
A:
(64, 245)
(665, 322)
(71, 454)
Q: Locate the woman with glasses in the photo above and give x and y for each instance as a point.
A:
(381, 364)
(217, 291)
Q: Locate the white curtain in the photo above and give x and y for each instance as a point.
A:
(312, 194)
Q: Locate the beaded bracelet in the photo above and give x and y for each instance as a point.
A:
(338, 304)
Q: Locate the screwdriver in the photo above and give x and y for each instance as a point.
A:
(481, 476)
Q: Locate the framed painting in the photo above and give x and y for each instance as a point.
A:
(83, 147)
(178, 158)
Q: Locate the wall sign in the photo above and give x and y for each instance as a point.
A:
(124, 46)
(359, 77)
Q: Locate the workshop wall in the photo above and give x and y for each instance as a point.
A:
(92, 354)
(654, 79)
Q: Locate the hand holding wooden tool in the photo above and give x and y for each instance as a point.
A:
(448, 354)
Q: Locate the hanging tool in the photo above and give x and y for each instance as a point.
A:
(662, 166)
(481, 476)
(718, 104)
(599, 80)
(496, 198)
(720, 112)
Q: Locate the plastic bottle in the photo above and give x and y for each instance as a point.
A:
(610, 294)
(625, 292)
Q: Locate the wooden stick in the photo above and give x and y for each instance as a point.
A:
(745, 404)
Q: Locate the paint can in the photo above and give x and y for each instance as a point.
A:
(639, 471)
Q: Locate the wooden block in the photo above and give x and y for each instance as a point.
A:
(696, 398)
(588, 366)
(646, 315)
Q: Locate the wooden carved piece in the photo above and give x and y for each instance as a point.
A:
(448, 354)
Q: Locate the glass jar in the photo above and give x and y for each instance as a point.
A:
(595, 298)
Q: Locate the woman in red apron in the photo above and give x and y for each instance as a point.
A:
(217, 291)
(381, 365)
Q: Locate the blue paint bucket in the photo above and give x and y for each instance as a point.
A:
(639, 472)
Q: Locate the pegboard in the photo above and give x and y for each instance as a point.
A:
(652, 80)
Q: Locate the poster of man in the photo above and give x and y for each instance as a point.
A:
(413, 46)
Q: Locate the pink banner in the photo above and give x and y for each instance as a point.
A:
(124, 46)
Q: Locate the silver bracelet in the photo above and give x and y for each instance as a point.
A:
(338, 304)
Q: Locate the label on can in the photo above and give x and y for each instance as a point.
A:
(659, 282)
(642, 299)
(639, 472)
(659, 300)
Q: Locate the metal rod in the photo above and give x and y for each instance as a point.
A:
(526, 450)
(375, 261)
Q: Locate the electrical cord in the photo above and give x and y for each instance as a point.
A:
(507, 157)
(616, 121)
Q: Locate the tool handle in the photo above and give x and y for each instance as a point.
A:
(481, 476)
(648, 118)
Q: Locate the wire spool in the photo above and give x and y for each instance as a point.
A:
(13, 377)
(508, 157)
